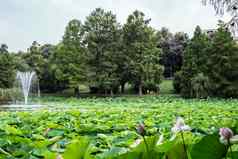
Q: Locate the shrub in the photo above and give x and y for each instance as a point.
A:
(9, 95)
(200, 86)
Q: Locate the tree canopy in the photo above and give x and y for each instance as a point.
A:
(210, 66)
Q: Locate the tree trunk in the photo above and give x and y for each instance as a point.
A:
(122, 88)
(158, 90)
(111, 92)
(140, 90)
(76, 92)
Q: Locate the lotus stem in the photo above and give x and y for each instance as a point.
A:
(229, 146)
(184, 145)
(146, 145)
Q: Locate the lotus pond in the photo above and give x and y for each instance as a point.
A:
(106, 128)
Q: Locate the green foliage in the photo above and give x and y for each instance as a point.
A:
(8, 95)
(166, 87)
(7, 68)
(194, 63)
(93, 127)
(200, 86)
(177, 82)
(210, 66)
(34, 59)
(69, 57)
(143, 55)
(78, 149)
(101, 38)
(209, 147)
(222, 61)
(173, 47)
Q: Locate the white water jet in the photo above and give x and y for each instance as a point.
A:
(26, 80)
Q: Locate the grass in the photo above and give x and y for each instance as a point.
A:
(166, 87)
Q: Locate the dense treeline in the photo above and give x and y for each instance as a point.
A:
(106, 56)
(210, 66)
(101, 54)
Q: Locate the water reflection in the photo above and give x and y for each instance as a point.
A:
(20, 107)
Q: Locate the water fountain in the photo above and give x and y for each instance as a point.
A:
(25, 93)
(27, 81)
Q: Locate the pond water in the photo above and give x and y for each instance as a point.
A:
(35, 107)
(19, 107)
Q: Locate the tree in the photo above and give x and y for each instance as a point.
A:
(164, 42)
(142, 51)
(4, 48)
(48, 82)
(173, 47)
(195, 58)
(7, 67)
(210, 66)
(178, 46)
(223, 64)
(68, 60)
(101, 38)
(34, 59)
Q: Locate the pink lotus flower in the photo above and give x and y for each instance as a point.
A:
(226, 135)
(180, 126)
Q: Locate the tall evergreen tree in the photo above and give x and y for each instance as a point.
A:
(195, 57)
(102, 37)
(223, 64)
(141, 49)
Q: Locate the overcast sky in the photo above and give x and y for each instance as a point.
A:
(23, 21)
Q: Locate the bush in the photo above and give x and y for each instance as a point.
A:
(150, 87)
(9, 95)
(200, 86)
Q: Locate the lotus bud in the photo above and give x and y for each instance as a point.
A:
(226, 133)
(141, 129)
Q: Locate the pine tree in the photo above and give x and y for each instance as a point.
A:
(101, 38)
(194, 62)
(223, 64)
